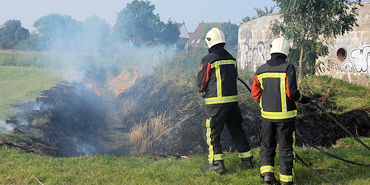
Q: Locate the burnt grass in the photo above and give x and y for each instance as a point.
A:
(73, 121)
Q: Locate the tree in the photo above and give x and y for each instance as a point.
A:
(170, 33)
(58, 31)
(260, 13)
(21, 34)
(94, 33)
(231, 34)
(9, 28)
(11, 33)
(137, 22)
(62, 32)
(303, 22)
(208, 27)
(230, 30)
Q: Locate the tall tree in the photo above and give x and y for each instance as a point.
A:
(208, 27)
(11, 33)
(58, 31)
(62, 32)
(137, 22)
(231, 34)
(303, 22)
(170, 33)
(94, 33)
(230, 30)
(21, 34)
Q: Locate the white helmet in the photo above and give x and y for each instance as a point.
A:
(214, 36)
(280, 45)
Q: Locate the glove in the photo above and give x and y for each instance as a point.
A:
(202, 93)
(305, 99)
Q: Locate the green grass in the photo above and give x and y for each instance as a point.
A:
(346, 96)
(20, 85)
(26, 59)
(18, 167)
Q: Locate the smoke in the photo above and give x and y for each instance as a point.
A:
(6, 128)
(86, 148)
(85, 58)
(72, 71)
(41, 106)
(89, 50)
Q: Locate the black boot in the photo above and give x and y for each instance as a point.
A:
(247, 162)
(269, 178)
(217, 166)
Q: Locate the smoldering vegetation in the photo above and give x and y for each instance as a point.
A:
(157, 113)
(85, 113)
(80, 115)
(121, 98)
(150, 115)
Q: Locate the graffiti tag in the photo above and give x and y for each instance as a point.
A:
(347, 66)
(256, 55)
(361, 59)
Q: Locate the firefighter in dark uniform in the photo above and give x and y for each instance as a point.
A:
(275, 88)
(217, 81)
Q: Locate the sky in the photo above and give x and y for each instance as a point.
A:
(192, 12)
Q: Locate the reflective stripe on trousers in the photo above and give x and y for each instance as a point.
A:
(245, 154)
(286, 137)
(266, 169)
(208, 137)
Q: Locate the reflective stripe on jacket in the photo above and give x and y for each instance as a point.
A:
(218, 77)
(275, 87)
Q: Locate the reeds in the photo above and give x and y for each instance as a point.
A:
(143, 135)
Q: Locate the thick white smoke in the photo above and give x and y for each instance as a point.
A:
(6, 128)
(87, 63)
(86, 49)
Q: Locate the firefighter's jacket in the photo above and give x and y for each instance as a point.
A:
(218, 77)
(275, 88)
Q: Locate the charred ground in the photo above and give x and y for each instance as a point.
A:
(72, 120)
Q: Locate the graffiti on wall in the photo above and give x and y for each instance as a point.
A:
(347, 66)
(358, 63)
(333, 65)
(253, 55)
(258, 54)
(361, 57)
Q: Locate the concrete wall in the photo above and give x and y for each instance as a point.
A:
(353, 66)
(348, 58)
(254, 42)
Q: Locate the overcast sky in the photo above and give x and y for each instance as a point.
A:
(192, 12)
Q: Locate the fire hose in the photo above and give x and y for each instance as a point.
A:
(330, 116)
(303, 162)
(327, 153)
(337, 122)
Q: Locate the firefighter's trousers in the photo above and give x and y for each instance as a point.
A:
(217, 117)
(286, 138)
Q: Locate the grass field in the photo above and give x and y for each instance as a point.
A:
(18, 167)
(20, 85)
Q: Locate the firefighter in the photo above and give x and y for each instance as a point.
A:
(217, 80)
(275, 88)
